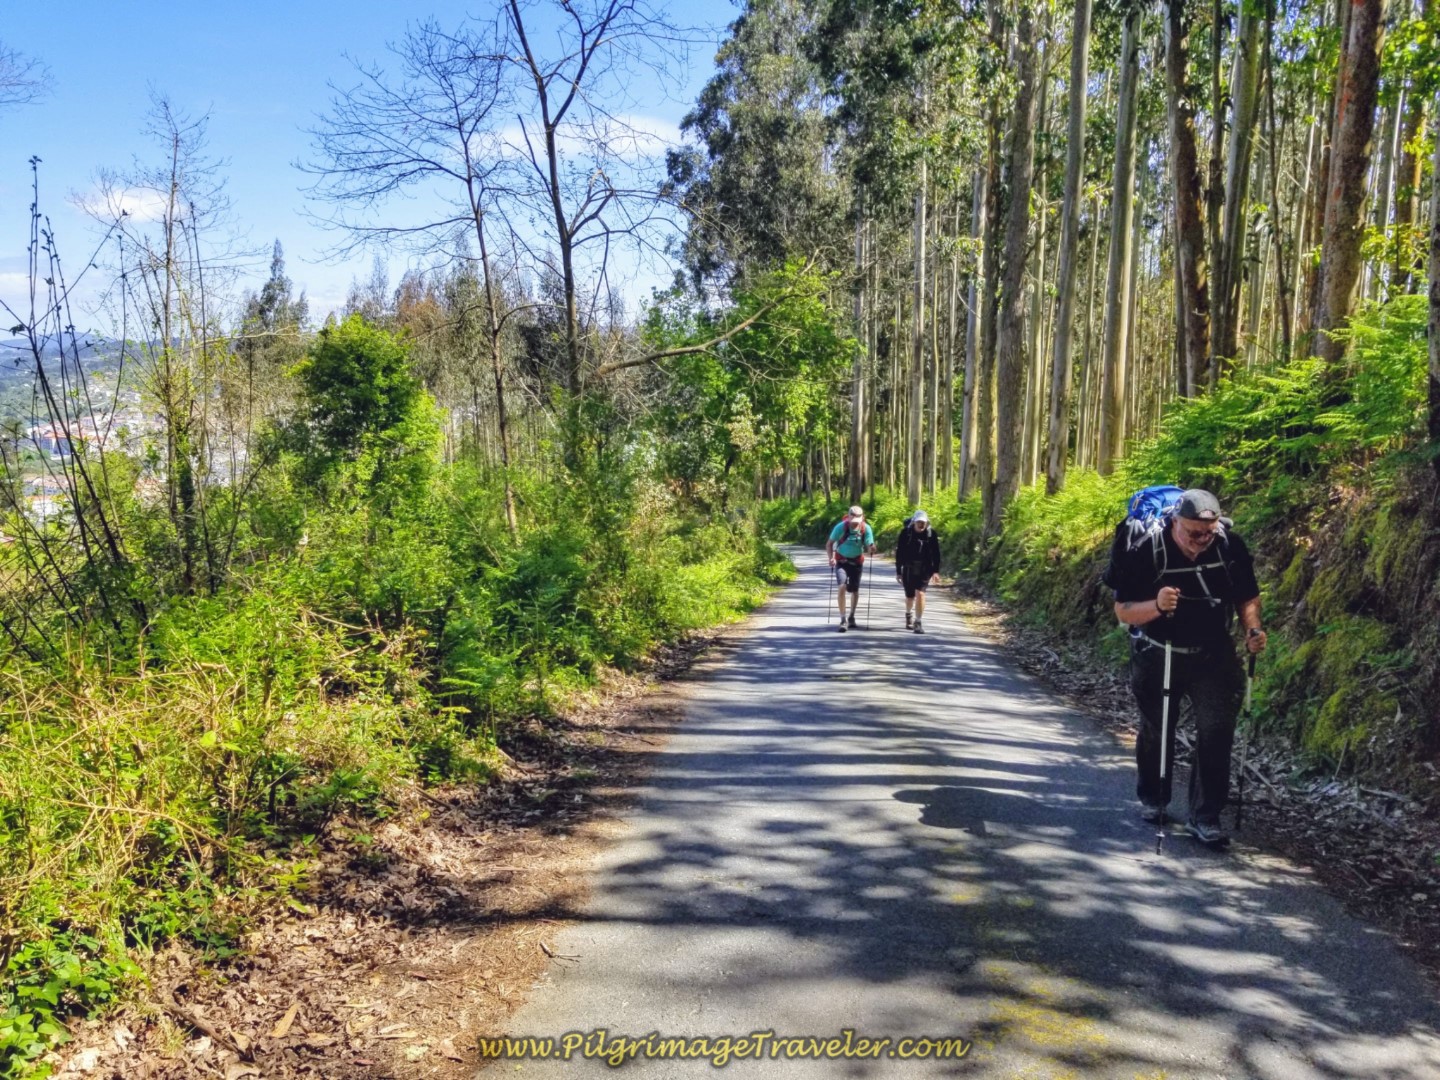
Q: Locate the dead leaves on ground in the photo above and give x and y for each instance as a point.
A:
(417, 935)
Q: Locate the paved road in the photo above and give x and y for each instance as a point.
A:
(902, 836)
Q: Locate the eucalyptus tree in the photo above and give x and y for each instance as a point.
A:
(1193, 293)
(269, 341)
(1344, 219)
(904, 79)
(1066, 269)
(762, 186)
(1011, 363)
(1415, 63)
(1229, 252)
(1122, 207)
(1433, 396)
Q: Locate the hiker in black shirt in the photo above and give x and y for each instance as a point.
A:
(1179, 587)
(917, 566)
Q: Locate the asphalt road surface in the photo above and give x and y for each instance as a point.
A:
(900, 836)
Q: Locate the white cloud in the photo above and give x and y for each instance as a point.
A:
(138, 204)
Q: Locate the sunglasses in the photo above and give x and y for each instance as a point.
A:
(1199, 536)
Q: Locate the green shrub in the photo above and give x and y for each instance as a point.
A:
(1312, 464)
(45, 982)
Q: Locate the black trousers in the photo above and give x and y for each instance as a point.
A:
(1214, 682)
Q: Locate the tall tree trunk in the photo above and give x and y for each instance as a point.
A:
(1272, 138)
(1215, 187)
(952, 340)
(975, 307)
(1344, 11)
(1434, 396)
(1135, 358)
(1117, 286)
(933, 451)
(1304, 230)
(857, 375)
(1345, 198)
(1407, 187)
(1230, 256)
(1384, 170)
(1407, 196)
(1035, 352)
(1065, 278)
(1257, 296)
(494, 332)
(917, 364)
(1085, 426)
(897, 370)
(990, 305)
(1010, 361)
(1194, 289)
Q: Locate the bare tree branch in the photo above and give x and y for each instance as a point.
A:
(23, 80)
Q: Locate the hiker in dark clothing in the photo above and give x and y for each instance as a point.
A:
(1176, 590)
(917, 566)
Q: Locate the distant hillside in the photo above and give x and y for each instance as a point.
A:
(17, 369)
(16, 362)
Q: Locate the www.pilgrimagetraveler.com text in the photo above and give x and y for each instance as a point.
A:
(720, 1050)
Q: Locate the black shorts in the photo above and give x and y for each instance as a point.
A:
(852, 569)
(913, 581)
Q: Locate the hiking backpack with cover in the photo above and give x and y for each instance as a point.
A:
(1146, 517)
(1149, 514)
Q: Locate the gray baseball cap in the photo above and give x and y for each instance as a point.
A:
(1197, 504)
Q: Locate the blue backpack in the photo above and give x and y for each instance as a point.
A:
(1149, 514)
(1155, 503)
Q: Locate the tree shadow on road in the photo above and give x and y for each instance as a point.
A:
(908, 811)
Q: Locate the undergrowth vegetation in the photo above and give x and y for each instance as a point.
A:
(1326, 474)
(379, 625)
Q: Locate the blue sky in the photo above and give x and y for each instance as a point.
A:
(260, 70)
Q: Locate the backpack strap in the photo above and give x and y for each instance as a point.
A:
(1222, 562)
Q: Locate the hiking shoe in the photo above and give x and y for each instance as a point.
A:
(908, 620)
(1207, 832)
(1150, 813)
(841, 627)
(918, 628)
(853, 623)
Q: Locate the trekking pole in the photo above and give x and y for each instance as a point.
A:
(830, 590)
(1164, 746)
(869, 591)
(1244, 743)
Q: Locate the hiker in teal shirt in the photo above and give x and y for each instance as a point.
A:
(849, 541)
